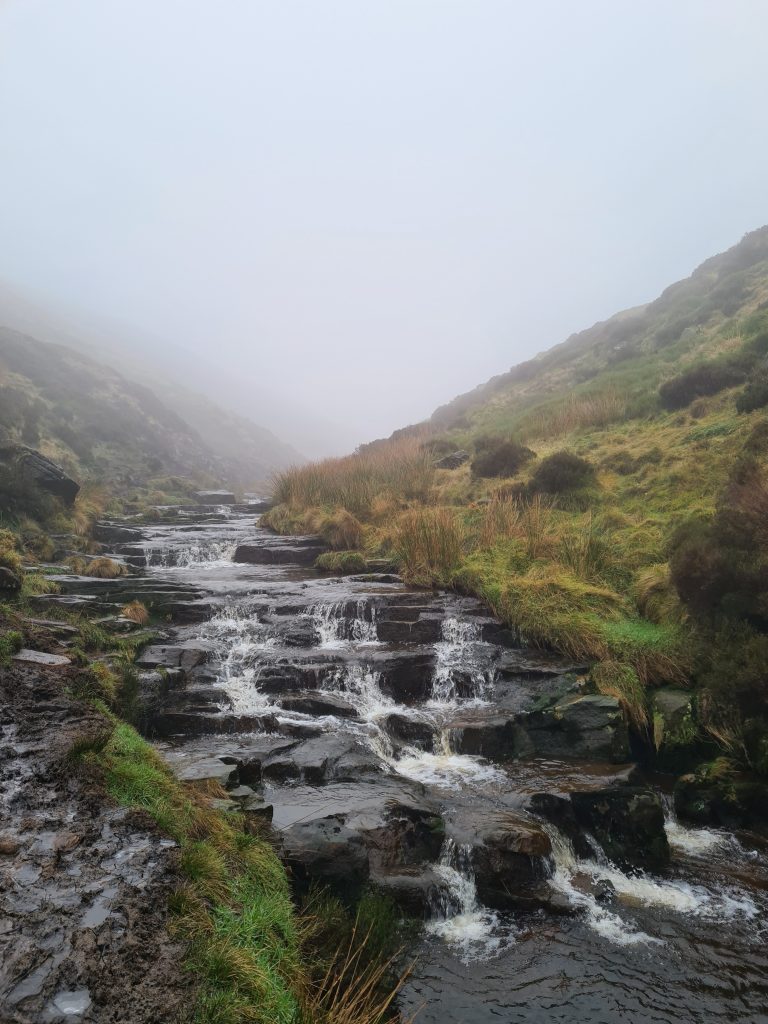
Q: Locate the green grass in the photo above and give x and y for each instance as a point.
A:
(236, 911)
(10, 643)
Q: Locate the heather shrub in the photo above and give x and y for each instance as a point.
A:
(499, 456)
(562, 472)
(755, 394)
(700, 381)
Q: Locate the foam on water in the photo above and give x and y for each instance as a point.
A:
(361, 687)
(639, 890)
(445, 768)
(475, 932)
(694, 842)
(238, 638)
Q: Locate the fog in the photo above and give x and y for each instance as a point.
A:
(336, 216)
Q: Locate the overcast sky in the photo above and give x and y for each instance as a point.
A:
(356, 209)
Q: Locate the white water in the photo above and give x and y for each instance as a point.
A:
(335, 630)
(475, 932)
(461, 657)
(693, 842)
(447, 769)
(194, 555)
(238, 637)
(574, 878)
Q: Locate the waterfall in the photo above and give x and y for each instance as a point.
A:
(192, 555)
(457, 916)
(692, 842)
(464, 666)
(334, 629)
(238, 638)
(580, 881)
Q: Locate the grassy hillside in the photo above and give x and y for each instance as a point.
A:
(251, 452)
(100, 426)
(611, 502)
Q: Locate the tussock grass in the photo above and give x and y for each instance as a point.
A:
(104, 569)
(655, 595)
(614, 679)
(345, 563)
(430, 544)
(575, 412)
(400, 468)
(136, 612)
(529, 519)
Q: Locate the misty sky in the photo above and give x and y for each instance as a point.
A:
(348, 211)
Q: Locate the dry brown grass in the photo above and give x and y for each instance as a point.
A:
(531, 520)
(400, 469)
(430, 543)
(104, 569)
(136, 612)
(576, 412)
(354, 991)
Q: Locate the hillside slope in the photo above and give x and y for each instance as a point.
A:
(631, 353)
(608, 499)
(101, 426)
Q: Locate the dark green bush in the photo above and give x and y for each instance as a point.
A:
(755, 394)
(700, 381)
(499, 456)
(561, 472)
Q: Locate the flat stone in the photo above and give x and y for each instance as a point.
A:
(73, 1004)
(28, 657)
(209, 769)
(318, 704)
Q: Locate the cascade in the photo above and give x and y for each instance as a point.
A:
(464, 665)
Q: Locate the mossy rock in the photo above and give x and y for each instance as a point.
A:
(10, 582)
(674, 719)
(722, 798)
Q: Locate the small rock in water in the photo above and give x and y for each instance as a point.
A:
(73, 1004)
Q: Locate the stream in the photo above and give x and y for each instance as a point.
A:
(404, 740)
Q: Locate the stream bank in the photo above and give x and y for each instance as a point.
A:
(402, 740)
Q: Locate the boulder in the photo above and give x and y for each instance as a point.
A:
(328, 852)
(510, 857)
(414, 890)
(590, 727)
(732, 800)
(674, 724)
(171, 657)
(319, 760)
(279, 554)
(628, 823)
(215, 497)
(40, 471)
(10, 582)
(112, 533)
(41, 659)
(417, 732)
(453, 460)
(206, 769)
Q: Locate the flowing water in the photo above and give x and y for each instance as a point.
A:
(624, 947)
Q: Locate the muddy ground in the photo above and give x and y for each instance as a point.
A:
(84, 885)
